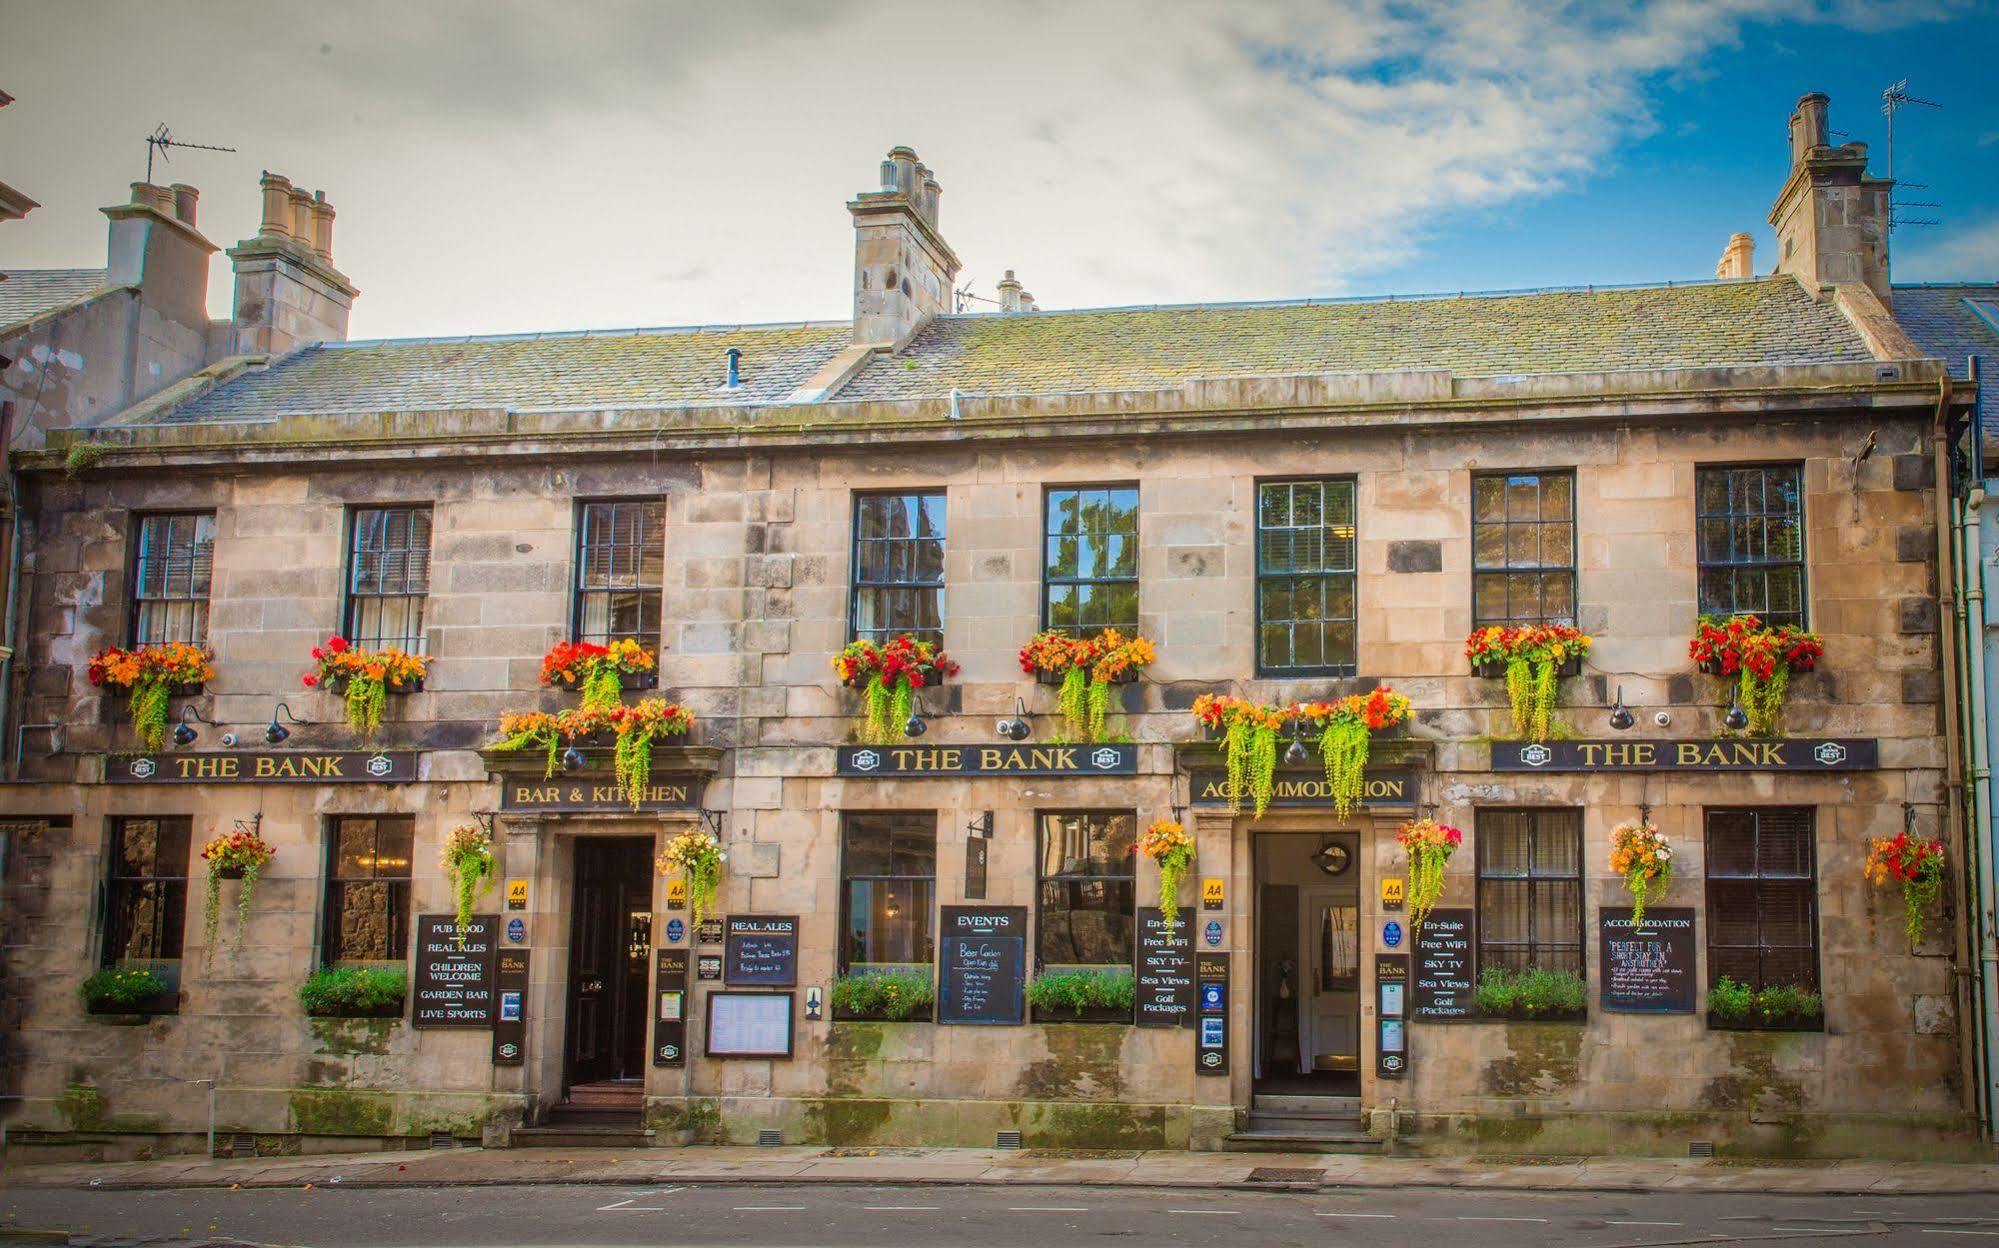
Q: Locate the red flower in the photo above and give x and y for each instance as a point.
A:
(312, 678)
(337, 645)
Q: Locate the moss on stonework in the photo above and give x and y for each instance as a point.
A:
(1752, 1082)
(848, 1121)
(1542, 1059)
(1500, 1130)
(702, 1120)
(852, 1049)
(81, 1106)
(1085, 1062)
(1105, 1125)
(348, 1037)
(336, 1111)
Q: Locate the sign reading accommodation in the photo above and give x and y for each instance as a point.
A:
(1165, 969)
(982, 965)
(281, 767)
(915, 761)
(1649, 968)
(1705, 754)
(1307, 788)
(532, 793)
(761, 951)
(454, 971)
(1442, 991)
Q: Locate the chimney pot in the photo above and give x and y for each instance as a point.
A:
(1738, 259)
(185, 199)
(1009, 292)
(322, 227)
(277, 206)
(299, 221)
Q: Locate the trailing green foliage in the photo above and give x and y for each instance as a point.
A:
(352, 991)
(603, 686)
(1343, 748)
(1073, 701)
(1533, 993)
(150, 699)
(116, 988)
(366, 698)
(1076, 990)
(894, 995)
(1763, 700)
(1782, 1005)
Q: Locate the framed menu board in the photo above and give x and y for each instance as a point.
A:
(749, 1024)
(1443, 986)
(1165, 970)
(982, 966)
(760, 951)
(1647, 969)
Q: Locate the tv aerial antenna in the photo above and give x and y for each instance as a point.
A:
(1893, 100)
(161, 140)
(962, 297)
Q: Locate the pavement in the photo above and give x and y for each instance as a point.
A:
(796, 1165)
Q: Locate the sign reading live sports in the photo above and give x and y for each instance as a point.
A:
(1307, 788)
(245, 767)
(533, 793)
(1706, 754)
(915, 761)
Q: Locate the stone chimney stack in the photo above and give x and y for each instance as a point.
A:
(1831, 216)
(1738, 259)
(155, 247)
(288, 294)
(903, 269)
(1013, 297)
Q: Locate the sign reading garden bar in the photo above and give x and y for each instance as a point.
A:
(1308, 788)
(915, 761)
(1705, 754)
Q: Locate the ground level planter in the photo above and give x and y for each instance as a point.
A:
(1804, 1025)
(393, 1010)
(1091, 1014)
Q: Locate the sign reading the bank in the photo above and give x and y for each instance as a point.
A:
(283, 767)
(1308, 788)
(917, 761)
(454, 971)
(1706, 754)
(533, 793)
(982, 965)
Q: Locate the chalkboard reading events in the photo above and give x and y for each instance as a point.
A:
(1443, 987)
(761, 951)
(1648, 969)
(454, 971)
(1165, 970)
(982, 965)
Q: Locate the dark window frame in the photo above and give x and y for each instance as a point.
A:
(1810, 878)
(136, 566)
(855, 584)
(1702, 563)
(579, 591)
(352, 600)
(1264, 668)
(330, 908)
(1042, 879)
(116, 885)
(843, 961)
(1512, 618)
(1049, 581)
(1482, 872)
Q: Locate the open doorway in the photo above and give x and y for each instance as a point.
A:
(610, 947)
(1308, 964)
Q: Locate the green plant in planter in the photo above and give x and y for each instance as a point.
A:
(1533, 993)
(1730, 1001)
(120, 988)
(352, 991)
(1085, 988)
(1782, 1005)
(894, 995)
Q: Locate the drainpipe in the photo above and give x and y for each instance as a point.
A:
(12, 571)
(1950, 630)
(1979, 842)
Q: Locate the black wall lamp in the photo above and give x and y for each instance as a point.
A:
(1294, 754)
(1017, 728)
(275, 732)
(573, 760)
(1737, 719)
(1620, 714)
(184, 731)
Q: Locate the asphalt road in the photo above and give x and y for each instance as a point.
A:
(989, 1217)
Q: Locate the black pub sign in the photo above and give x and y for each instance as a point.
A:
(454, 971)
(918, 761)
(559, 794)
(1702, 754)
(263, 767)
(1308, 788)
(1648, 967)
(761, 951)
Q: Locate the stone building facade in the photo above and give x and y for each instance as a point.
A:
(749, 456)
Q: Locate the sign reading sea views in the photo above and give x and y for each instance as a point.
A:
(982, 965)
(533, 793)
(1307, 788)
(1165, 969)
(247, 767)
(1443, 980)
(1648, 969)
(454, 971)
(1706, 754)
(915, 761)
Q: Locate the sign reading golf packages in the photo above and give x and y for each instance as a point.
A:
(916, 761)
(454, 971)
(281, 767)
(1706, 754)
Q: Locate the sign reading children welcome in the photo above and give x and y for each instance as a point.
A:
(916, 761)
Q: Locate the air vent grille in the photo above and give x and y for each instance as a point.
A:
(1700, 1148)
(243, 1145)
(442, 1141)
(770, 1139)
(1008, 1140)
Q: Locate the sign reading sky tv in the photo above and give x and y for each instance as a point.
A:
(911, 762)
(1703, 754)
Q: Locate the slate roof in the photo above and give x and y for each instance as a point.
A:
(27, 293)
(1954, 322)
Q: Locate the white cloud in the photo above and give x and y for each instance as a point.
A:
(523, 165)
(1966, 254)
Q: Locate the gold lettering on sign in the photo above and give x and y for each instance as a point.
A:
(209, 768)
(299, 767)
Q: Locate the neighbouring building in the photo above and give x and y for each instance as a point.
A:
(1295, 501)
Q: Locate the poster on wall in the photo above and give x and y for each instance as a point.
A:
(982, 966)
(749, 1024)
(1442, 991)
(454, 971)
(1647, 968)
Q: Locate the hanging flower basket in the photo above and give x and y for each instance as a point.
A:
(889, 675)
(364, 679)
(1429, 846)
(240, 855)
(1532, 660)
(469, 865)
(1167, 843)
(631, 730)
(1917, 867)
(1641, 854)
(601, 673)
(1085, 668)
(1761, 660)
(155, 675)
(698, 858)
(1347, 728)
(1248, 731)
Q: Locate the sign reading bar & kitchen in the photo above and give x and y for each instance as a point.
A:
(247, 767)
(1308, 788)
(1705, 754)
(917, 761)
(528, 793)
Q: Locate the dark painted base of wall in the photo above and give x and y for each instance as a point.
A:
(1742, 1136)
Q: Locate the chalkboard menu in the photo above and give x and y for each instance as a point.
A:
(982, 965)
(454, 971)
(1648, 969)
(761, 951)
(1165, 970)
(1442, 991)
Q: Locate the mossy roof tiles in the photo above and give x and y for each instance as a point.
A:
(27, 293)
(1953, 323)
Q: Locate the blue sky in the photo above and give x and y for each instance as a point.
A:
(510, 165)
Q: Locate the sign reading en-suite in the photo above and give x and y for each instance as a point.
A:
(1307, 788)
(1707, 754)
(284, 767)
(917, 761)
(533, 793)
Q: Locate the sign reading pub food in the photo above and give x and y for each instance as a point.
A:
(918, 761)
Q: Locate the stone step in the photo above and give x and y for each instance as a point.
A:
(1256, 1141)
(1305, 1106)
(1304, 1124)
(581, 1136)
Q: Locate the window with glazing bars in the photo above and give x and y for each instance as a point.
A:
(368, 888)
(1305, 578)
(620, 567)
(1530, 897)
(888, 873)
(1086, 915)
(899, 566)
(1090, 565)
(1523, 532)
(145, 895)
(388, 577)
(1762, 897)
(170, 578)
(1751, 534)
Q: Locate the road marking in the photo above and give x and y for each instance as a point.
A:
(1820, 1230)
(1930, 1230)
(1047, 1209)
(1356, 1215)
(1470, 1219)
(766, 1208)
(901, 1208)
(1614, 1222)
(626, 1206)
(1229, 1212)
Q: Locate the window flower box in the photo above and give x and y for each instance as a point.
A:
(1083, 994)
(885, 996)
(127, 996)
(354, 992)
(600, 673)
(1495, 669)
(153, 675)
(1733, 1006)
